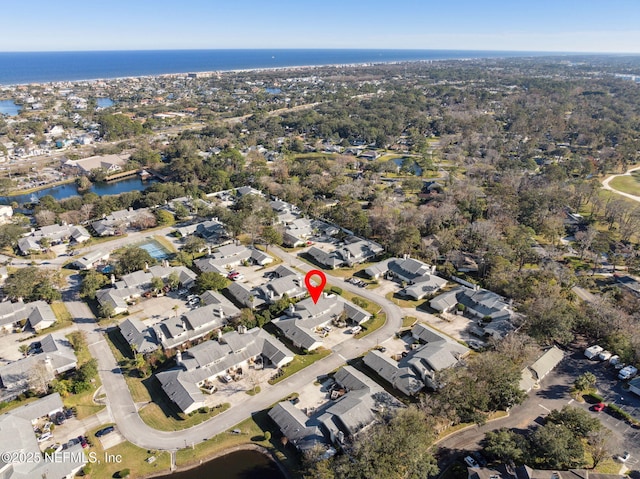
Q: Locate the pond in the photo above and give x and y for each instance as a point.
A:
(236, 465)
(415, 168)
(273, 91)
(133, 183)
(104, 102)
(8, 107)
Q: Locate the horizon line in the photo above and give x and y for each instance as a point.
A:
(557, 52)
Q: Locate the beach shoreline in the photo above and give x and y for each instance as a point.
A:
(481, 55)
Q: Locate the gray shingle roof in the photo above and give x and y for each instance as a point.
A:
(212, 358)
(142, 339)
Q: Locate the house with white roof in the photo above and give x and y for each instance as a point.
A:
(54, 234)
(91, 259)
(230, 256)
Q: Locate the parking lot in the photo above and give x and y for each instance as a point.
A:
(624, 437)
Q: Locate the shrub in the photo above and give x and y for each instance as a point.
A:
(336, 290)
(203, 410)
(360, 302)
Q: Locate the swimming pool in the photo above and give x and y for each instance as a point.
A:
(155, 249)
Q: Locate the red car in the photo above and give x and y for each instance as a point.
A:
(599, 407)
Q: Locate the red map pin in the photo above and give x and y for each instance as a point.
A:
(315, 291)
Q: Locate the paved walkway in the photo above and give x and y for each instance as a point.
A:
(606, 186)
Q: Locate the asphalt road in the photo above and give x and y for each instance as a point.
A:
(554, 393)
(122, 408)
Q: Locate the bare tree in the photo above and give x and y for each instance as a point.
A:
(598, 445)
(39, 377)
(45, 218)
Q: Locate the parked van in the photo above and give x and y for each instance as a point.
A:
(627, 372)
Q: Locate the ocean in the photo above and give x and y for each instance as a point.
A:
(42, 67)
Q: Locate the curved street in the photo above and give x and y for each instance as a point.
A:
(122, 408)
(606, 186)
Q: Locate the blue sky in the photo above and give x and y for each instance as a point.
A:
(536, 25)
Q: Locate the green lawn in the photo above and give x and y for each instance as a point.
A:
(626, 184)
(134, 458)
(371, 325)
(83, 402)
(408, 321)
(166, 244)
(155, 416)
(403, 303)
(301, 361)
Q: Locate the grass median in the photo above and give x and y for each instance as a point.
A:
(300, 361)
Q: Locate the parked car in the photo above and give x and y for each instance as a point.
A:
(614, 360)
(471, 462)
(59, 418)
(599, 407)
(479, 459)
(105, 431)
(627, 372)
(624, 457)
(356, 330)
(226, 378)
(238, 277)
(45, 437)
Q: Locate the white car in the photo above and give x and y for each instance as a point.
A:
(45, 437)
(356, 330)
(471, 462)
(614, 360)
(624, 457)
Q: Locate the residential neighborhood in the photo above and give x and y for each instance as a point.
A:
(356, 271)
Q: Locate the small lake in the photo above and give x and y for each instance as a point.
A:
(236, 465)
(133, 183)
(104, 102)
(273, 91)
(8, 107)
(415, 169)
